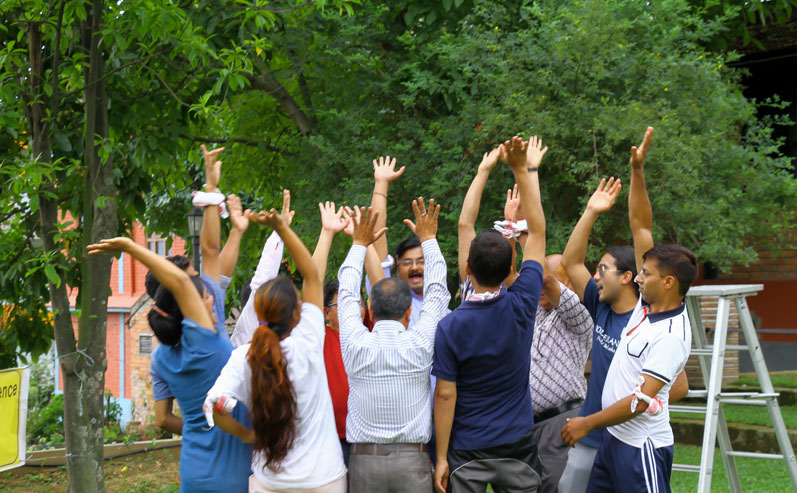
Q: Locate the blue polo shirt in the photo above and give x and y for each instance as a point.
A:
(485, 347)
(210, 459)
(609, 327)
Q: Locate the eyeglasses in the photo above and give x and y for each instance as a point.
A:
(603, 269)
(335, 304)
(407, 262)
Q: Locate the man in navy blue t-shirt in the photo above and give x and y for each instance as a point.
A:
(482, 406)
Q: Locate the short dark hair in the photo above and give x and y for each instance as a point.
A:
(676, 261)
(246, 291)
(390, 299)
(330, 290)
(151, 284)
(409, 243)
(168, 328)
(625, 261)
(489, 258)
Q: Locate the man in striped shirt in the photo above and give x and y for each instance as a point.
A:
(389, 422)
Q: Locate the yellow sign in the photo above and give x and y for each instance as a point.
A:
(13, 416)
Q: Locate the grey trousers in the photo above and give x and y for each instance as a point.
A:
(551, 449)
(398, 472)
(579, 465)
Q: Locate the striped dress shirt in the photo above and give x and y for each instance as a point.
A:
(390, 398)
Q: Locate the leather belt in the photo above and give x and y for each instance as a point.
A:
(556, 411)
(387, 448)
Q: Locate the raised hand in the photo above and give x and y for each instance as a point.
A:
(425, 226)
(110, 245)
(239, 218)
(513, 153)
(364, 225)
(332, 221)
(212, 167)
(535, 152)
(384, 169)
(270, 218)
(512, 210)
(287, 213)
(348, 215)
(489, 160)
(603, 198)
(638, 153)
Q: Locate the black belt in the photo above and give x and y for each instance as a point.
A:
(387, 448)
(556, 411)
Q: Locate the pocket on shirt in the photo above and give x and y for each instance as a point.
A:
(636, 346)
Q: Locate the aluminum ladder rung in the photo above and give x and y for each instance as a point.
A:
(709, 350)
(754, 455)
(688, 409)
(747, 398)
(685, 467)
(697, 394)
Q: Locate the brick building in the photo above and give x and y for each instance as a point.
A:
(129, 338)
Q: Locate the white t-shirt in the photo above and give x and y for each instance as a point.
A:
(656, 344)
(316, 458)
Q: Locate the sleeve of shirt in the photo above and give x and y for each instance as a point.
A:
(386, 265)
(527, 287)
(224, 282)
(591, 299)
(574, 314)
(435, 291)
(201, 340)
(160, 389)
(235, 378)
(666, 358)
(444, 362)
(267, 269)
(349, 278)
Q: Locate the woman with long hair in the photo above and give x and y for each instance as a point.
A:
(190, 358)
(280, 376)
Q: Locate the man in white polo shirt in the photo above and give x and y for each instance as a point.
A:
(636, 453)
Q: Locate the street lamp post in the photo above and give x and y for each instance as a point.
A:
(195, 218)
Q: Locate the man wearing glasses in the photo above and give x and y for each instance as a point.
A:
(610, 295)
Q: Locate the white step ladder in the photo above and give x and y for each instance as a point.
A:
(711, 359)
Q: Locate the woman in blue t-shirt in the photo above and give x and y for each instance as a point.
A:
(190, 360)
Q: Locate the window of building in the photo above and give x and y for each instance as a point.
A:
(145, 344)
(157, 244)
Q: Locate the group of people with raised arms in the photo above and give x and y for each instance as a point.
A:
(319, 390)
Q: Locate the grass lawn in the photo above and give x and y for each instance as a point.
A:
(157, 471)
(782, 379)
(755, 475)
(753, 415)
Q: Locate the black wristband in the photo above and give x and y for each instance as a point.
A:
(531, 170)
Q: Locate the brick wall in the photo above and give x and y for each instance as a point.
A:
(708, 314)
(140, 391)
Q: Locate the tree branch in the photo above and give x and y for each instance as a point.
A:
(252, 143)
(268, 84)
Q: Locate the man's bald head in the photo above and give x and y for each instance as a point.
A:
(557, 269)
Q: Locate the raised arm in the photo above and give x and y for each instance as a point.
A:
(524, 158)
(373, 263)
(576, 250)
(470, 209)
(312, 289)
(267, 269)
(239, 219)
(384, 173)
(332, 223)
(170, 276)
(210, 237)
(640, 212)
(435, 291)
(350, 276)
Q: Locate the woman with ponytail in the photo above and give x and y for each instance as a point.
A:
(280, 376)
(189, 360)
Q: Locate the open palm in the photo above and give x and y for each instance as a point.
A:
(603, 198)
